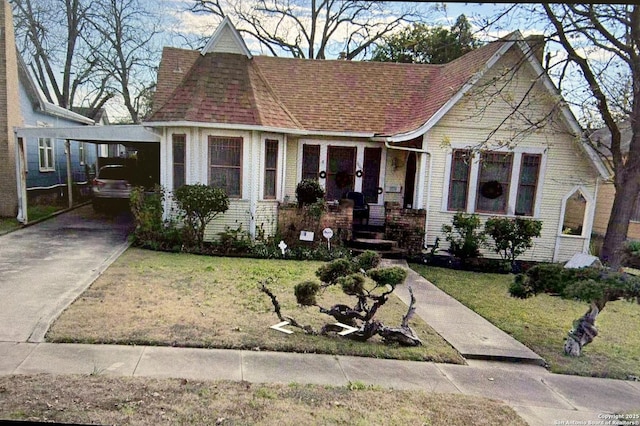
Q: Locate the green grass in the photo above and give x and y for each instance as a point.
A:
(8, 224)
(41, 211)
(542, 322)
(172, 299)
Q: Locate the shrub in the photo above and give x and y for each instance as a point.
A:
(330, 272)
(631, 254)
(353, 284)
(512, 237)
(199, 205)
(308, 191)
(306, 292)
(464, 236)
(388, 276)
(146, 208)
(367, 260)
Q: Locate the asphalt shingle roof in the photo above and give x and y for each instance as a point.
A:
(318, 95)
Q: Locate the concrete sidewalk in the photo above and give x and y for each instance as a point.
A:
(540, 397)
(469, 333)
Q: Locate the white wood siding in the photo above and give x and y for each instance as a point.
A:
(472, 120)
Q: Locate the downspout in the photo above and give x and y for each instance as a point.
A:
(427, 207)
(21, 178)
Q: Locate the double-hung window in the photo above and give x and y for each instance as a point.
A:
(225, 164)
(270, 168)
(179, 151)
(496, 182)
(46, 154)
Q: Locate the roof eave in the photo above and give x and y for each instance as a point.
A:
(444, 109)
(260, 128)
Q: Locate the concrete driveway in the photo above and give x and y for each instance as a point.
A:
(46, 266)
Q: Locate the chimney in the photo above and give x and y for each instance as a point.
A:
(10, 115)
(536, 44)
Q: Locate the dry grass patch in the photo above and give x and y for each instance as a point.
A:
(109, 400)
(172, 299)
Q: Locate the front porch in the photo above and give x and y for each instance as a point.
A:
(400, 234)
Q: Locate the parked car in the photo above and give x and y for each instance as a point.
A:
(111, 187)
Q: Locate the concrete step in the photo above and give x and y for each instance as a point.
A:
(393, 253)
(371, 235)
(372, 244)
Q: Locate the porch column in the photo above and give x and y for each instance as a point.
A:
(21, 178)
(67, 149)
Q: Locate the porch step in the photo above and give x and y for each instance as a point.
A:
(373, 244)
(370, 235)
(394, 253)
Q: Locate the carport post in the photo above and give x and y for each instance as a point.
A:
(67, 148)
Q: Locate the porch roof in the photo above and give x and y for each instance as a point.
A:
(94, 134)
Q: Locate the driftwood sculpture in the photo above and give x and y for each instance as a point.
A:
(583, 332)
(371, 286)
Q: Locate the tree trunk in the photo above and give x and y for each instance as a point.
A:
(626, 192)
(583, 333)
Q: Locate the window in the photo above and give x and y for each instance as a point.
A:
(225, 164)
(179, 147)
(270, 168)
(529, 170)
(81, 154)
(460, 168)
(574, 213)
(499, 182)
(45, 150)
(493, 182)
(310, 161)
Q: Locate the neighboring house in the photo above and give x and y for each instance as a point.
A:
(45, 156)
(23, 105)
(400, 133)
(601, 139)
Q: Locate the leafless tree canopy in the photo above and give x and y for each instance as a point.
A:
(305, 28)
(83, 53)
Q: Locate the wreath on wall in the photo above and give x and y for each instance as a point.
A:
(491, 189)
(343, 179)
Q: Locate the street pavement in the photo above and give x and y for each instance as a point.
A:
(43, 268)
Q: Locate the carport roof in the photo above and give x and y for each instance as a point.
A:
(94, 134)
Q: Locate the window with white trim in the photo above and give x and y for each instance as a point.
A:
(498, 182)
(270, 168)
(46, 154)
(225, 164)
(179, 149)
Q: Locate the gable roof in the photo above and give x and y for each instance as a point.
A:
(38, 100)
(226, 39)
(368, 98)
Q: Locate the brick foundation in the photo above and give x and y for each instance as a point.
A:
(406, 226)
(293, 219)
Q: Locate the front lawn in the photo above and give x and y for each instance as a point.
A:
(142, 401)
(542, 322)
(156, 298)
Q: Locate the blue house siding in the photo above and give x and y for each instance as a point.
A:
(53, 181)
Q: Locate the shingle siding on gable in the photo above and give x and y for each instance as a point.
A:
(469, 122)
(227, 43)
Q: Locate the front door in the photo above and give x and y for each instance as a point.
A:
(341, 161)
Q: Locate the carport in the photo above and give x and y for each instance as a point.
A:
(138, 136)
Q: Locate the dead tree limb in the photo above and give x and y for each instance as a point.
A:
(276, 307)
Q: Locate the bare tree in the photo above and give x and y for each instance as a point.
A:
(122, 44)
(48, 33)
(306, 28)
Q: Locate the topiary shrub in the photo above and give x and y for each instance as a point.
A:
(308, 191)
(306, 292)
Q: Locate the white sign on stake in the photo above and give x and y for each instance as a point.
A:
(328, 234)
(306, 236)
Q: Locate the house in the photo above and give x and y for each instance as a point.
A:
(23, 105)
(601, 139)
(404, 135)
